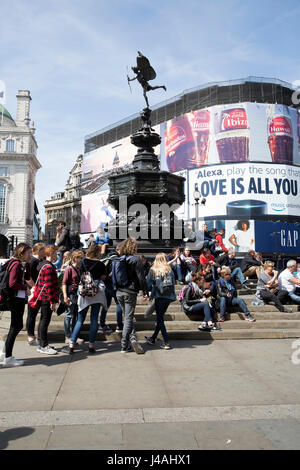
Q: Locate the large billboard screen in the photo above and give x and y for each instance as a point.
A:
(241, 157)
(233, 133)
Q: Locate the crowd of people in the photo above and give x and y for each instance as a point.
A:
(53, 278)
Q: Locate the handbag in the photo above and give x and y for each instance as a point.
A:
(34, 297)
(62, 306)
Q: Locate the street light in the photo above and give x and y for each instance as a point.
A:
(197, 196)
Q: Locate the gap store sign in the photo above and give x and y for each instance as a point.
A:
(277, 237)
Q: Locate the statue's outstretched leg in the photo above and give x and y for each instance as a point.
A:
(146, 98)
(155, 87)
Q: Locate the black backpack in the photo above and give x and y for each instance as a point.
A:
(6, 293)
(120, 276)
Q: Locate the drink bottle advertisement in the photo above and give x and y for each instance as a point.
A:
(242, 132)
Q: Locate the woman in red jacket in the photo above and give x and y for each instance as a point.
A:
(207, 257)
(19, 273)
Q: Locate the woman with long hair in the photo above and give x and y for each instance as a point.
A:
(19, 273)
(70, 284)
(177, 264)
(127, 293)
(198, 299)
(161, 282)
(96, 268)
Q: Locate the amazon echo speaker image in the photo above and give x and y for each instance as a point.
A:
(246, 208)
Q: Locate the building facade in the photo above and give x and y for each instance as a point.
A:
(18, 167)
(65, 205)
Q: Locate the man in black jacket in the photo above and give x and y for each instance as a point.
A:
(251, 265)
(63, 242)
(228, 296)
(229, 260)
(127, 295)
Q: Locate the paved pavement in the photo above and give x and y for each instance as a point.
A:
(199, 395)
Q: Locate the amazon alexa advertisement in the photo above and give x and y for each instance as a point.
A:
(251, 190)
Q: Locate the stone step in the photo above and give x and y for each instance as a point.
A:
(183, 325)
(175, 312)
(226, 334)
(169, 316)
(247, 298)
(176, 307)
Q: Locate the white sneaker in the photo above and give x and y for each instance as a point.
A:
(79, 341)
(67, 340)
(33, 342)
(47, 350)
(12, 362)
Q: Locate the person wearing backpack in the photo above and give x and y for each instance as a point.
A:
(15, 274)
(70, 284)
(128, 278)
(110, 294)
(161, 282)
(92, 271)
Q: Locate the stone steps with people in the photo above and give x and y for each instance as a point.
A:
(270, 323)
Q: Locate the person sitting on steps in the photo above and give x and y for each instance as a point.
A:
(228, 296)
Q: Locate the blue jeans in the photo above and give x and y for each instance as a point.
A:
(71, 318)
(95, 308)
(58, 263)
(111, 294)
(161, 306)
(127, 302)
(177, 272)
(295, 298)
(238, 272)
(209, 244)
(202, 307)
(224, 301)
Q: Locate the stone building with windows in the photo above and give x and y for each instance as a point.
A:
(65, 205)
(18, 167)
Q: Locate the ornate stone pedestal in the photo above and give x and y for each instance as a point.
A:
(137, 194)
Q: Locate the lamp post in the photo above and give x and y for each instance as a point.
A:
(197, 198)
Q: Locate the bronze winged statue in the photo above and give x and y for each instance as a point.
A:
(144, 73)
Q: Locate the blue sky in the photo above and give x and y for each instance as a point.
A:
(72, 56)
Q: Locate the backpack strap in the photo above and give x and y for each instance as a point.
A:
(41, 271)
(11, 262)
(76, 270)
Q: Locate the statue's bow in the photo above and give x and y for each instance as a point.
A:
(128, 80)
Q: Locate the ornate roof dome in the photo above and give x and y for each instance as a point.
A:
(7, 120)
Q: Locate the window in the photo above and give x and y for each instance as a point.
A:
(3, 171)
(10, 145)
(2, 203)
